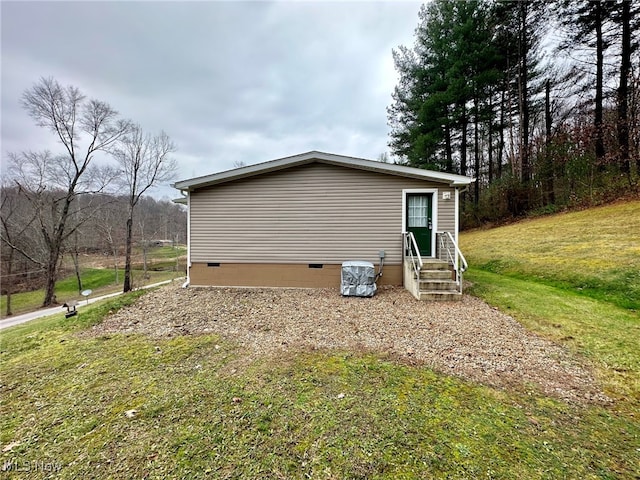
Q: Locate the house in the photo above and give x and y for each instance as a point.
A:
(292, 222)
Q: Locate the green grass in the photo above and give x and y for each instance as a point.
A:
(204, 410)
(200, 413)
(573, 278)
(608, 336)
(101, 281)
(167, 252)
(161, 258)
(595, 252)
(161, 266)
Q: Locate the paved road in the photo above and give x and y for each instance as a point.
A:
(45, 312)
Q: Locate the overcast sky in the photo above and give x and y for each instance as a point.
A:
(227, 81)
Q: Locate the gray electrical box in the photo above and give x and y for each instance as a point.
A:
(358, 279)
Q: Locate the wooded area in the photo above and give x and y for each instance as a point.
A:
(63, 204)
(540, 101)
(99, 228)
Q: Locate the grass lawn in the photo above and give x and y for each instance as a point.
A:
(573, 278)
(168, 252)
(130, 406)
(607, 336)
(200, 412)
(102, 281)
(595, 252)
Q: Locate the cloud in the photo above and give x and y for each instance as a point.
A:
(228, 81)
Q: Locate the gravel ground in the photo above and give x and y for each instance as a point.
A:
(469, 339)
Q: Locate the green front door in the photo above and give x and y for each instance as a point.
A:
(419, 220)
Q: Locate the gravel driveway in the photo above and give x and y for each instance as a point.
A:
(469, 339)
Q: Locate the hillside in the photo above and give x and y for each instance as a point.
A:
(595, 252)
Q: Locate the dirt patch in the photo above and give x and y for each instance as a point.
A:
(469, 339)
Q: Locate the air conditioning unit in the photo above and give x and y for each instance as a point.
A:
(358, 279)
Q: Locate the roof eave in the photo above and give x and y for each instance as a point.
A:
(352, 162)
(235, 174)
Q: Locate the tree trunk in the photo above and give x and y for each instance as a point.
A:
(501, 137)
(476, 152)
(114, 250)
(623, 89)
(76, 263)
(490, 141)
(177, 255)
(463, 146)
(144, 258)
(597, 120)
(633, 121)
(524, 96)
(8, 284)
(54, 244)
(127, 257)
(449, 153)
(515, 167)
(51, 270)
(463, 150)
(550, 198)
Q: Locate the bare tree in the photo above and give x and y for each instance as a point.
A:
(383, 157)
(15, 224)
(145, 242)
(52, 182)
(108, 224)
(145, 161)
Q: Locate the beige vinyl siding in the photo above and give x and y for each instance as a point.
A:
(447, 211)
(315, 213)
